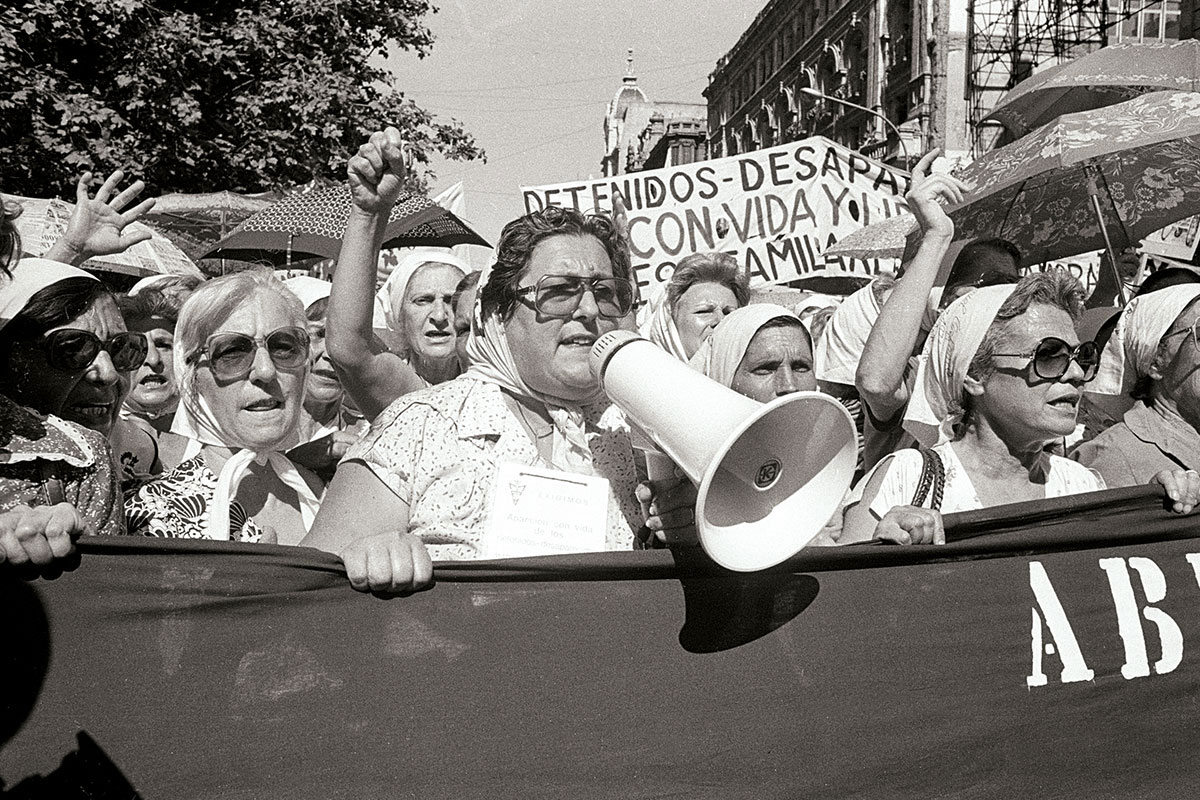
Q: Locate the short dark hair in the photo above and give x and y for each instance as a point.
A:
(995, 245)
(10, 239)
(317, 310)
(720, 268)
(523, 234)
(54, 305)
(148, 304)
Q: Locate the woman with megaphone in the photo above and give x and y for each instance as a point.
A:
(424, 481)
(1000, 377)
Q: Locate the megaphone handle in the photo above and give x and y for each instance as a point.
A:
(658, 466)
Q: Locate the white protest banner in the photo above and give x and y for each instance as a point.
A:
(777, 210)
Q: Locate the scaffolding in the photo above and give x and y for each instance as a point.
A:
(1008, 40)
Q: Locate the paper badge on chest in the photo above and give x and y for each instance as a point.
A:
(537, 512)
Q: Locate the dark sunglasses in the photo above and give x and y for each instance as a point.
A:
(73, 350)
(1052, 358)
(560, 295)
(231, 355)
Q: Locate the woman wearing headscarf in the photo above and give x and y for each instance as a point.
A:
(57, 478)
(241, 358)
(1153, 360)
(152, 399)
(422, 481)
(415, 307)
(1000, 377)
(328, 426)
(703, 289)
(762, 351)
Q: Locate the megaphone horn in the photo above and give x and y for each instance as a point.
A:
(770, 475)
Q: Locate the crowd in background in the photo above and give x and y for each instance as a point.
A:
(371, 421)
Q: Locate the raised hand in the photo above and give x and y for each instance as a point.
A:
(377, 171)
(927, 194)
(98, 225)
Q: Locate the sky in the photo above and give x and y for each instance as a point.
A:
(531, 79)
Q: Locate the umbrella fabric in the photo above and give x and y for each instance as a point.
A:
(1143, 156)
(884, 239)
(311, 224)
(43, 222)
(1102, 78)
(196, 222)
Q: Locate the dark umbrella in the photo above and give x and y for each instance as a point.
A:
(311, 224)
(1102, 78)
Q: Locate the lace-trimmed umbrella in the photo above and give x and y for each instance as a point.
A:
(312, 224)
(1102, 78)
(43, 222)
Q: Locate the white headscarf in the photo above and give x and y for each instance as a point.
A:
(30, 276)
(309, 290)
(195, 420)
(1129, 352)
(721, 353)
(659, 326)
(934, 407)
(492, 361)
(397, 283)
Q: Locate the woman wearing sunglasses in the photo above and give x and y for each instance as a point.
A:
(999, 378)
(241, 359)
(1153, 359)
(57, 478)
(421, 482)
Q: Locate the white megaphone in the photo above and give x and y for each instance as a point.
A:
(770, 475)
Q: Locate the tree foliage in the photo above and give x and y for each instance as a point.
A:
(203, 95)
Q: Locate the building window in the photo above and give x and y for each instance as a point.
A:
(1136, 21)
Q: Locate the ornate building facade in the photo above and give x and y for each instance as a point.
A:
(780, 82)
(640, 134)
(894, 78)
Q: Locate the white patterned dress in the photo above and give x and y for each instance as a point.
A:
(438, 448)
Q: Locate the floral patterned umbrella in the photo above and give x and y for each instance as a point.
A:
(1135, 165)
(311, 224)
(1101, 78)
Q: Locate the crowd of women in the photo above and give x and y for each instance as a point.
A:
(373, 423)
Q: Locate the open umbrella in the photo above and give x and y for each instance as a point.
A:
(311, 224)
(198, 221)
(1102, 78)
(43, 222)
(884, 239)
(1101, 179)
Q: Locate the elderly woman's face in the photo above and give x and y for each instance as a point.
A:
(778, 361)
(1180, 381)
(427, 313)
(698, 311)
(552, 354)
(154, 382)
(323, 385)
(260, 409)
(91, 398)
(1021, 407)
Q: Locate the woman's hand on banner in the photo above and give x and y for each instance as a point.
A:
(1182, 486)
(388, 563)
(928, 192)
(377, 172)
(41, 535)
(911, 525)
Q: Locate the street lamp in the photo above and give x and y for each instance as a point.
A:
(811, 92)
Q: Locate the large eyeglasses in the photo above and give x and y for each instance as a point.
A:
(1052, 358)
(231, 355)
(560, 295)
(1189, 329)
(73, 350)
